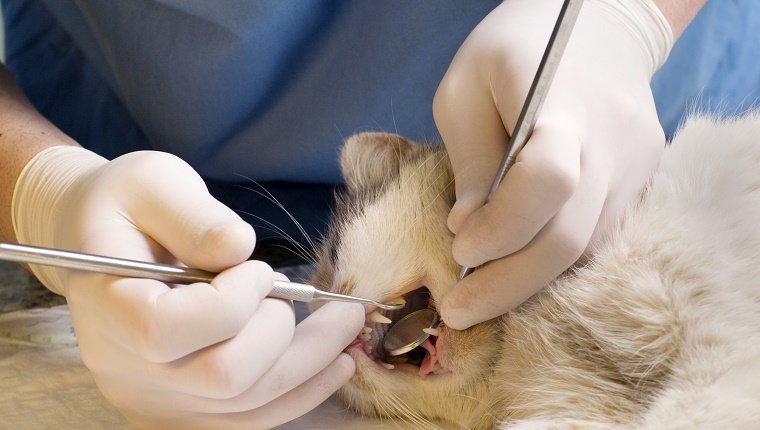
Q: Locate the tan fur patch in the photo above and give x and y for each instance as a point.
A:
(659, 330)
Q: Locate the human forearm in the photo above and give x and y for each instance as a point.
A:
(679, 13)
(23, 133)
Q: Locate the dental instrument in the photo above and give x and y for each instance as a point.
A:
(408, 333)
(537, 94)
(161, 272)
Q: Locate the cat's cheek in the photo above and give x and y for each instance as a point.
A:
(366, 368)
(365, 365)
(445, 354)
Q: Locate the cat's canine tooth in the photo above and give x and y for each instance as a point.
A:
(377, 317)
(400, 300)
(388, 366)
(432, 331)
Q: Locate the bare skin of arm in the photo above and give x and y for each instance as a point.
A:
(679, 12)
(24, 132)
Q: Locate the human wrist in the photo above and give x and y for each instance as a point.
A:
(37, 197)
(643, 20)
(679, 13)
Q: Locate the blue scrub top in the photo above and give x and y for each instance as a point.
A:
(266, 91)
(714, 67)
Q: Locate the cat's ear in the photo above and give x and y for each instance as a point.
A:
(368, 159)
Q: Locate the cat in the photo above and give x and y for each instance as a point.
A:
(659, 330)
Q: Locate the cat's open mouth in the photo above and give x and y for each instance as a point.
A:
(423, 357)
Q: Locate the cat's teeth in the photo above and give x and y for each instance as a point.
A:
(432, 331)
(388, 366)
(400, 300)
(377, 317)
(365, 337)
(366, 330)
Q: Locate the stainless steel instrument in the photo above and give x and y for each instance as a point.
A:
(161, 272)
(407, 333)
(537, 93)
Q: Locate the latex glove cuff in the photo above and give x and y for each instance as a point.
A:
(644, 20)
(40, 188)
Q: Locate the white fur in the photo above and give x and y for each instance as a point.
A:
(660, 330)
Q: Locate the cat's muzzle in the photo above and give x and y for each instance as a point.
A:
(379, 322)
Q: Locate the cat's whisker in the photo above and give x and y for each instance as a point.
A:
(395, 129)
(642, 332)
(268, 195)
(410, 414)
(440, 193)
(308, 254)
(309, 259)
(404, 182)
(432, 155)
(393, 117)
(302, 252)
(483, 410)
(426, 206)
(416, 216)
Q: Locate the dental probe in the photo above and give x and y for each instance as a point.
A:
(161, 272)
(537, 94)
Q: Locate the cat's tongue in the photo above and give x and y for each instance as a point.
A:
(431, 359)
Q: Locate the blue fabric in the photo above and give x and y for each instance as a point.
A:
(267, 90)
(238, 88)
(714, 66)
(60, 82)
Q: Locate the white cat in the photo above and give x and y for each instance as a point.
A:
(661, 330)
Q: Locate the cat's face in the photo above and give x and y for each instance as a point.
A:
(389, 239)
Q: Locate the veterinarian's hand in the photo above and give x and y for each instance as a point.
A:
(595, 144)
(193, 356)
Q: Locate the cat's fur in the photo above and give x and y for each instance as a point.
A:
(660, 330)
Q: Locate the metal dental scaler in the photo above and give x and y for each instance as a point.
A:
(161, 272)
(407, 333)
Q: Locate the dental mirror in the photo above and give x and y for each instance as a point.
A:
(407, 333)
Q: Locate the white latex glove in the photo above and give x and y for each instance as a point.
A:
(595, 144)
(217, 355)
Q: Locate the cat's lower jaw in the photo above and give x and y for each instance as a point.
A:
(426, 359)
(365, 360)
(432, 363)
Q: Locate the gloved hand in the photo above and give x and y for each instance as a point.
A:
(193, 356)
(594, 145)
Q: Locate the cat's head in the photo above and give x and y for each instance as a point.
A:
(388, 239)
